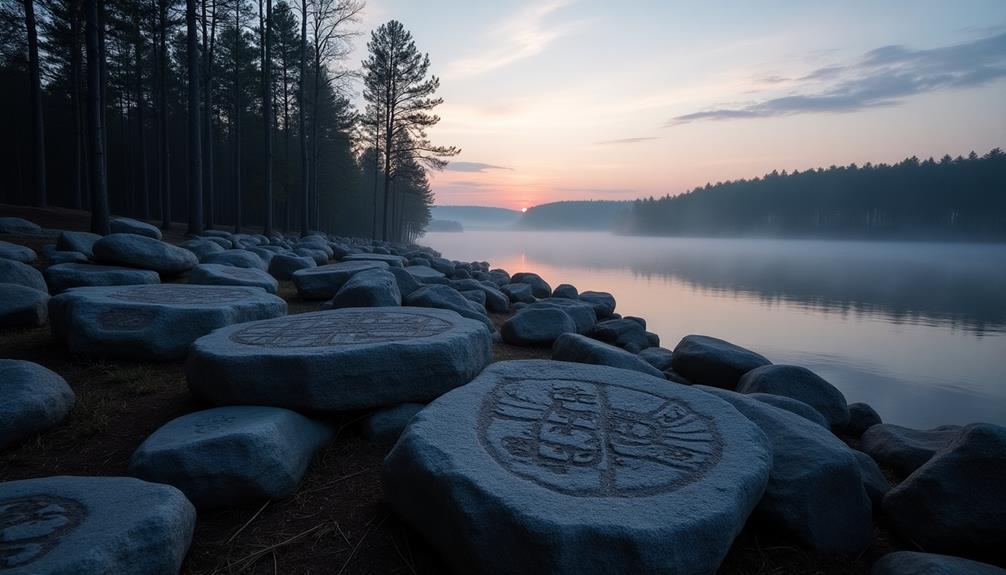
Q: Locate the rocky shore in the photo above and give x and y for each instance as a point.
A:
(237, 402)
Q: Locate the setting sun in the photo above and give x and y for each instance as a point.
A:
(523, 210)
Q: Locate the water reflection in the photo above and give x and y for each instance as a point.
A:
(919, 328)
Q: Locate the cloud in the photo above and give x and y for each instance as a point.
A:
(520, 36)
(473, 167)
(625, 141)
(881, 77)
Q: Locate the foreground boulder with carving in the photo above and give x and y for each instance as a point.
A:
(579, 469)
(231, 455)
(349, 358)
(92, 525)
(34, 399)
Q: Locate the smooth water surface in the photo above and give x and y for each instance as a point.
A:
(918, 330)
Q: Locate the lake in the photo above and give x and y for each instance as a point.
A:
(918, 330)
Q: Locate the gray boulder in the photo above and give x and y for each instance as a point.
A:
(82, 242)
(131, 226)
(350, 358)
(18, 253)
(407, 283)
(815, 490)
(323, 282)
(565, 291)
(801, 384)
(603, 302)
(320, 257)
(142, 252)
(518, 293)
(874, 482)
(231, 455)
(424, 273)
(224, 275)
(624, 333)
(22, 306)
(13, 225)
(537, 326)
(92, 526)
(956, 502)
(577, 348)
(152, 322)
(706, 360)
(580, 312)
(34, 399)
(861, 418)
(386, 425)
(202, 247)
(475, 296)
(56, 257)
(915, 563)
(369, 288)
(539, 287)
(13, 272)
(793, 406)
(236, 258)
(283, 266)
(582, 468)
(62, 277)
(444, 297)
(658, 357)
(391, 260)
(903, 449)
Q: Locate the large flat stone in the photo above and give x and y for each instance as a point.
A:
(350, 358)
(323, 282)
(225, 275)
(33, 399)
(136, 251)
(577, 469)
(152, 322)
(93, 525)
(131, 226)
(62, 277)
(231, 455)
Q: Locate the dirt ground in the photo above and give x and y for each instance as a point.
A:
(337, 523)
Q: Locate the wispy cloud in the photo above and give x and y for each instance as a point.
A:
(625, 141)
(473, 167)
(882, 77)
(525, 33)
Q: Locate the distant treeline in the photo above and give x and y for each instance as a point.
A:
(574, 215)
(951, 198)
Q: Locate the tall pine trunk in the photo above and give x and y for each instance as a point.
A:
(304, 184)
(267, 115)
(141, 146)
(164, 152)
(96, 158)
(237, 116)
(195, 127)
(38, 125)
(76, 198)
(208, 42)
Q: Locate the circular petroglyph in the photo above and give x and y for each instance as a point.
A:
(340, 329)
(32, 526)
(594, 439)
(179, 294)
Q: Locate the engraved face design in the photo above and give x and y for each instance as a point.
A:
(180, 294)
(593, 439)
(32, 526)
(342, 329)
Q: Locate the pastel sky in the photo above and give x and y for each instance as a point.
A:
(593, 99)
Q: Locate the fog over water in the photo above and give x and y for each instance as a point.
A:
(918, 330)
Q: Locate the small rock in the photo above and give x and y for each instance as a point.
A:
(539, 287)
(603, 302)
(386, 425)
(131, 226)
(34, 399)
(861, 418)
(903, 449)
(624, 333)
(801, 384)
(202, 248)
(82, 242)
(706, 360)
(577, 348)
(283, 266)
(658, 357)
(22, 306)
(237, 258)
(565, 291)
(518, 293)
(537, 326)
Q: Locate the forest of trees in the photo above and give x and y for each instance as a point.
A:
(224, 113)
(574, 215)
(951, 198)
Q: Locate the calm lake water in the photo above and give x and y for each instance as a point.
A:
(918, 330)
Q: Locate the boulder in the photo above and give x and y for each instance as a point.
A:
(224, 275)
(82, 242)
(350, 358)
(624, 333)
(956, 502)
(581, 313)
(424, 273)
(12, 225)
(142, 252)
(537, 326)
(18, 253)
(476, 296)
(320, 257)
(658, 357)
(369, 288)
(131, 226)
(283, 266)
(13, 272)
(874, 482)
(62, 277)
(706, 360)
(202, 247)
(801, 384)
(443, 297)
(903, 449)
(577, 348)
(386, 425)
(231, 455)
(265, 253)
(93, 525)
(539, 287)
(915, 563)
(57, 257)
(861, 418)
(323, 282)
(22, 306)
(565, 291)
(603, 302)
(391, 260)
(793, 406)
(815, 490)
(236, 258)
(34, 399)
(582, 468)
(407, 283)
(152, 322)
(518, 293)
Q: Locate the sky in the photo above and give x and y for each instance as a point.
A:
(591, 99)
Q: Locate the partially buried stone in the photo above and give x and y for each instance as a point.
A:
(231, 455)
(82, 242)
(13, 225)
(603, 302)
(801, 384)
(221, 275)
(658, 357)
(444, 297)
(705, 360)
(537, 326)
(22, 306)
(236, 258)
(13, 272)
(93, 525)
(583, 468)
(350, 358)
(793, 406)
(323, 282)
(577, 348)
(423, 273)
(34, 400)
(861, 418)
(62, 277)
(518, 293)
(17, 253)
(282, 266)
(391, 260)
(386, 425)
(369, 288)
(131, 226)
(152, 322)
(142, 252)
(904, 449)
